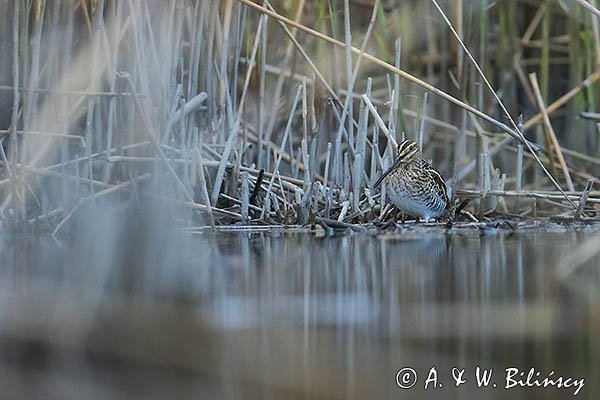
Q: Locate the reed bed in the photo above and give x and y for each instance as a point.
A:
(285, 113)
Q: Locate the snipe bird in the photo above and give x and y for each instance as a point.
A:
(413, 185)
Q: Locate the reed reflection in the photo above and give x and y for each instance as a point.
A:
(295, 312)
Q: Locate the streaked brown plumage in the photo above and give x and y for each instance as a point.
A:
(413, 185)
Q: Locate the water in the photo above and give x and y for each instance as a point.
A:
(146, 313)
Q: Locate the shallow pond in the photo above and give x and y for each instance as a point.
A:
(164, 313)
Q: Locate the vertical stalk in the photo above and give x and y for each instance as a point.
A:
(15, 105)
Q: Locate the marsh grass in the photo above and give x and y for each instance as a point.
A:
(242, 112)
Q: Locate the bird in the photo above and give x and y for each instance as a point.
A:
(414, 185)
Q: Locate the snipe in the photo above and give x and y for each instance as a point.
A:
(413, 185)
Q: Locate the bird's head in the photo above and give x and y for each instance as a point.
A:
(407, 151)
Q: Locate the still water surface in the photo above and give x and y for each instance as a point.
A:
(147, 313)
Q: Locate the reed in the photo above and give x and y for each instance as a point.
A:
(243, 113)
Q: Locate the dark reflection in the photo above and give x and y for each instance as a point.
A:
(155, 313)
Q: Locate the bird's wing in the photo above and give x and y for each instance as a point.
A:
(440, 183)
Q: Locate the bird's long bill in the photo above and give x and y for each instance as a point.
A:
(387, 172)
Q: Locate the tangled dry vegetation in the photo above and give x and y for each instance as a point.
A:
(259, 113)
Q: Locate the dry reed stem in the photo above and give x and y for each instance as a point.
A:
(59, 175)
(47, 134)
(283, 142)
(554, 142)
(526, 194)
(557, 104)
(153, 140)
(347, 202)
(584, 198)
(304, 54)
(489, 86)
(379, 120)
(280, 80)
(233, 133)
(564, 99)
(102, 193)
(589, 7)
(391, 68)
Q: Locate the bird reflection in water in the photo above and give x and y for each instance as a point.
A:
(274, 314)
